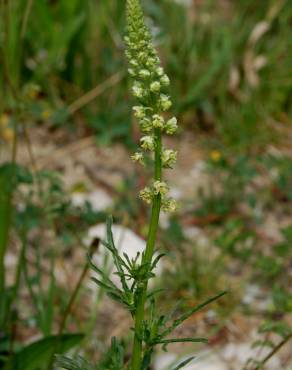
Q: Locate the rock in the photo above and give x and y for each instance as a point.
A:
(239, 353)
(99, 200)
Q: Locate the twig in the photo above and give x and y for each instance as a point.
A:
(273, 352)
(94, 93)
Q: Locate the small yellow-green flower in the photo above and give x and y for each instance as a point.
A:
(139, 112)
(147, 143)
(160, 187)
(165, 80)
(138, 91)
(169, 205)
(155, 87)
(158, 121)
(169, 158)
(165, 102)
(138, 157)
(171, 126)
(215, 155)
(144, 73)
(146, 195)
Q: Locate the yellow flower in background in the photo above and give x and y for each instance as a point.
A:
(215, 155)
(6, 132)
(46, 114)
(4, 120)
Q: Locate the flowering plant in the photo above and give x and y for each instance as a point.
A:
(149, 87)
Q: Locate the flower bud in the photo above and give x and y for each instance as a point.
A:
(169, 158)
(155, 87)
(133, 63)
(159, 71)
(146, 125)
(169, 205)
(144, 73)
(171, 126)
(165, 102)
(160, 187)
(158, 121)
(138, 157)
(146, 194)
(147, 142)
(165, 80)
(137, 90)
(139, 112)
(131, 72)
(150, 63)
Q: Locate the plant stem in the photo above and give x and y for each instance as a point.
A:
(273, 352)
(147, 258)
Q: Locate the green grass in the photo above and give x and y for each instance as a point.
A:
(78, 47)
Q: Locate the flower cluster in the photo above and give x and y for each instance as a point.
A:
(162, 189)
(149, 87)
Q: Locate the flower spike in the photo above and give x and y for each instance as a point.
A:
(149, 88)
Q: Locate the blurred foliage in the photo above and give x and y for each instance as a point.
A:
(223, 58)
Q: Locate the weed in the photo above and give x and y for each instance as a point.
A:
(150, 89)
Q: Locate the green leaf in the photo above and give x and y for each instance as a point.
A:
(36, 356)
(166, 342)
(188, 314)
(184, 363)
(78, 363)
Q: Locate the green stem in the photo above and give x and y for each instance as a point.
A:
(147, 258)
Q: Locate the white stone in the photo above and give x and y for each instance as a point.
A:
(99, 200)
(239, 353)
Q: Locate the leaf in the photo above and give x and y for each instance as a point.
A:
(36, 356)
(113, 359)
(184, 363)
(118, 261)
(184, 317)
(77, 363)
(181, 340)
(166, 342)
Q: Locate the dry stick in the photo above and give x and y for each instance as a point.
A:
(274, 351)
(94, 93)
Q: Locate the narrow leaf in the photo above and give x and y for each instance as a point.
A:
(184, 363)
(188, 314)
